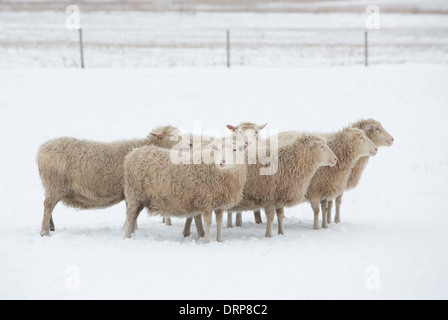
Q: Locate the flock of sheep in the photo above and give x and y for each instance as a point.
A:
(215, 175)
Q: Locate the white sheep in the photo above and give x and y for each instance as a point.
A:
(89, 175)
(153, 180)
(380, 137)
(349, 144)
(247, 133)
(286, 187)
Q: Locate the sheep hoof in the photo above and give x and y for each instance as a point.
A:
(45, 233)
(186, 234)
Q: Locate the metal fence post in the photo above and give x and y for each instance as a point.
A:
(228, 48)
(81, 48)
(366, 47)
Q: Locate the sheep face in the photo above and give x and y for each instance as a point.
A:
(230, 156)
(247, 132)
(363, 145)
(323, 152)
(170, 138)
(379, 136)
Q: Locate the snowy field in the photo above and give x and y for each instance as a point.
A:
(30, 39)
(391, 244)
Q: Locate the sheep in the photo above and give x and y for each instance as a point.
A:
(153, 181)
(89, 175)
(246, 132)
(349, 144)
(380, 137)
(241, 130)
(296, 165)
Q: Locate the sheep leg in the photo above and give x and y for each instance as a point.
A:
(280, 216)
(208, 224)
(49, 205)
(229, 220)
(52, 228)
(134, 225)
(316, 210)
(199, 226)
(219, 215)
(168, 221)
(187, 227)
(337, 218)
(329, 208)
(324, 205)
(257, 216)
(132, 212)
(239, 219)
(270, 215)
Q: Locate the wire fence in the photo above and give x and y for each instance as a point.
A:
(168, 47)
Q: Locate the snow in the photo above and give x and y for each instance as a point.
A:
(151, 39)
(391, 243)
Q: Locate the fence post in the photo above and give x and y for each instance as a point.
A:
(81, 48)
(366, 47)
(228, 48)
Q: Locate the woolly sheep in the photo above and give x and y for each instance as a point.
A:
(245, 132)
(296, 165)
(241, 130)
(349, 144)
(153, 181)
(380, 137)
(89, 175)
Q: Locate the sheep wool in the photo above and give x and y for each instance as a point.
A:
(380, 137)
(297, 164)
(86, 174)
(152, 181)
(349, 145)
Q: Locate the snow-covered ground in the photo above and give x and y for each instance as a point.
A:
(149, 39)
(391, 244)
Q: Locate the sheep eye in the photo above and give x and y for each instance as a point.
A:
(234, 150)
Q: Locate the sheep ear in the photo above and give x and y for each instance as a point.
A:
(231, 128)
(263, 126)
(156, 135)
